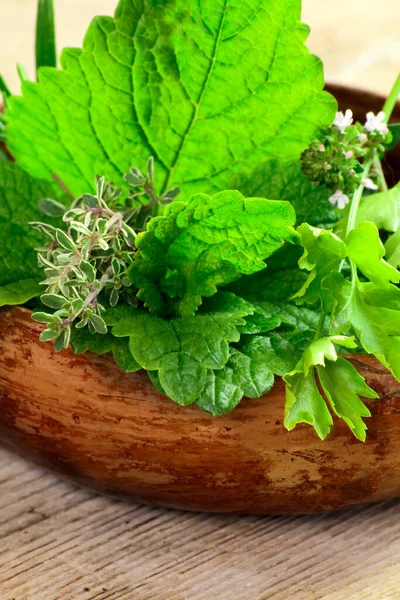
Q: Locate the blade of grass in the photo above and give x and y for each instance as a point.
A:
(4, 89)
(23, 75)
(45, 35)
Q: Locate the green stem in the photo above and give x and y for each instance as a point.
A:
(320, 326)
(381, 177)
(392, 99)
(355, 203)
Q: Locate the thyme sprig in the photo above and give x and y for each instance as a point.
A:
(85, 266)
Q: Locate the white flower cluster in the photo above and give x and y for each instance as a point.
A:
(374, 124)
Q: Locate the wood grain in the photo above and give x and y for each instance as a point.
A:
(64, 543)
(91, 422)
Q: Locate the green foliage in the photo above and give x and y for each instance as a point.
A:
(208, 93)
(392, 249)
(246, 374)
(87, 261)
(286, 181)
(206, 243)
(19, 292)
(394, 129)
(365, 248)
(382, 209)
(19, 197)
(222, 95)
(181, 350)
(341, 384)
(84, 341)
(335, 157)
(46, 55)
(323, 253)
(372, 313)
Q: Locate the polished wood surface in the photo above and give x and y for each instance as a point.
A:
(89, 421)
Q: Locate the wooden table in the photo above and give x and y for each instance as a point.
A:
(63, 543)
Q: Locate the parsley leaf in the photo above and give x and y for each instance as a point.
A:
(392, 248)
(372, 313)
(19, 197)
(340, 381)
(366, 249)
(343, 386)
(323, 253)
(382, 209)
(205, 243)
(208, 93)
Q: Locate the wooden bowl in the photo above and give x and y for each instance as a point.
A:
(85, 419)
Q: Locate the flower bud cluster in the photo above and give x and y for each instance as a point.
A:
(334, 159)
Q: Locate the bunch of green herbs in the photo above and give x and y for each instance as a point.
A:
(262, 239)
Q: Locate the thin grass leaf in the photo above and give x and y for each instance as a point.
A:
(22, 73)
(4, 89)
(46, 55)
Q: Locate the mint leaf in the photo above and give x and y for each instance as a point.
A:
(181, 350)
(208, 93)
(221, 394)
(257, 319)
(299, 318)
(267, 352)
(323, 253)
(247, 373)
(252, 370)
(19, 197)
(84, 341)
(19, 292)
(226, 302)
(286, 181)
(343, 386)
(206, 243)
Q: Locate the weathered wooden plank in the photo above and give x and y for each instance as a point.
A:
(64, 543)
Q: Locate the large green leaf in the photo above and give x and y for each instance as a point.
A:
(19, 197)
(181, 350)
(207, 242)
(210, 89)
(286, 181)
(83, 340)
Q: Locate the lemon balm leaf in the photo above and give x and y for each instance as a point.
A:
(210, 92)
